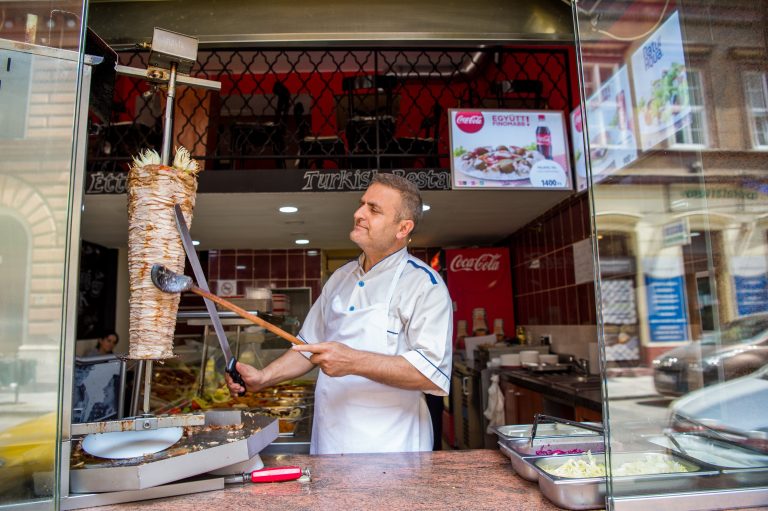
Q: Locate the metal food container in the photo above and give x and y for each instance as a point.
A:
(589, 492)
(518, 450)
(525, 470)
(580, 444)
(518, 431)
(739, 466)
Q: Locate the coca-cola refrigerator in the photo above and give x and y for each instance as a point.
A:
(480, 283)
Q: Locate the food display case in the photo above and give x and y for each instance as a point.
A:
(194, 381)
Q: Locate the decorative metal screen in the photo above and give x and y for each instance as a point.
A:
(338, 108)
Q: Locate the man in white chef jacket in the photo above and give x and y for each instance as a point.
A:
(380, 333)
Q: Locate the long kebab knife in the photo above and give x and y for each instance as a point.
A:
(202, 283)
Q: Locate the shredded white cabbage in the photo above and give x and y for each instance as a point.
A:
(587, 466)
(654, 463)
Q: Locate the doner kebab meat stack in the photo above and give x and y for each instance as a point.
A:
(153, 189)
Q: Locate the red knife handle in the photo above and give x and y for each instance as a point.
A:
(275, 474)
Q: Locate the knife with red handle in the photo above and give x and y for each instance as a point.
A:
(271, 475)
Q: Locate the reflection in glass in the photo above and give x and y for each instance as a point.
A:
(693, 208)
(37, 107)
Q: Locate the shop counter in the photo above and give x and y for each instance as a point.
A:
(475, 479)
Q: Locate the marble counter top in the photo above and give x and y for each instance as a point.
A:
(456, 480)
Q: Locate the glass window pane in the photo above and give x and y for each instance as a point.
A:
(697, 287)
(37, 108)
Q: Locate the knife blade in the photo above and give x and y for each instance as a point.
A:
(202, 283)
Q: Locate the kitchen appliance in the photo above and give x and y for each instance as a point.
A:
(226, 438)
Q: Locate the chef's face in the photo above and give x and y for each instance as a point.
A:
(377, 228)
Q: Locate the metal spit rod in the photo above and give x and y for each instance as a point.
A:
(136, 387)
(168, 127)
(147, 386)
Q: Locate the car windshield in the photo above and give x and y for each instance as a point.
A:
(740, 330)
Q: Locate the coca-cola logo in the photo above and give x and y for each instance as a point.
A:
(470, 122)
(483, 262)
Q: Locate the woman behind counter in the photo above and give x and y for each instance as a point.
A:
(105, 345)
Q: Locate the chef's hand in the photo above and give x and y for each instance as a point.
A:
(253, 378)
(334, 358)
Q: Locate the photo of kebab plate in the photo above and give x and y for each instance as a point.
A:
(500, 162)
(153, 189)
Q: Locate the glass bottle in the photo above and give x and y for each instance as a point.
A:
(479, 326)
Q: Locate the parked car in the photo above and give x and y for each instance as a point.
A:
(733, 412)
(738, 349)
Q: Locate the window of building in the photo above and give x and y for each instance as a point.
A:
(597, 74)
(756, 85)
(693, 134)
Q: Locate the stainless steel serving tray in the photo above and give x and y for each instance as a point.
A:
(589, 492)
(582, 443)
(739, 466)
(520, 448)
(521, 468)
(518, 431)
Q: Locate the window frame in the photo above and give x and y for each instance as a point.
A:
(701, 111)
(751, 117)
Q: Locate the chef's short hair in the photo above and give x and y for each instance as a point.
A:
(409, 194)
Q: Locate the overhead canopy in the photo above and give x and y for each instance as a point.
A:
(227, 22)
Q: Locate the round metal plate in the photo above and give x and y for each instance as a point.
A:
(131, 444)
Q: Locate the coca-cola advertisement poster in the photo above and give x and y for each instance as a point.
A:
(480, 278)
(509, 149)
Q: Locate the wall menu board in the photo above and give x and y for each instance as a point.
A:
(509, 149)
(611, 126)
(661, 87)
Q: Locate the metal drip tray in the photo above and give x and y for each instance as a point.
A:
(226, 438)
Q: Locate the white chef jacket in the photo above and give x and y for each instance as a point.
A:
(420, 313)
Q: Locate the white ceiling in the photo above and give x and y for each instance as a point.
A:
(251, 220)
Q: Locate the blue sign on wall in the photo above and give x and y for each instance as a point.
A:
(667, 317)
(751, 294)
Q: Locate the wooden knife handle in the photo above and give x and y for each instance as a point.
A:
(247, 315)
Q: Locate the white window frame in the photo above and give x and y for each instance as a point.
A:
(592, 78)
(753, 112)
(698, 112)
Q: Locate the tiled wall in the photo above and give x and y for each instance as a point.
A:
(266, 268)
(276, 268)
(543, 272)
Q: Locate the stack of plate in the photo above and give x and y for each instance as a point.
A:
(529, 357)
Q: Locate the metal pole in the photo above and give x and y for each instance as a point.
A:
(201, 383)
(168, 127)
(136, 388)
(147, 386)
(121, 393)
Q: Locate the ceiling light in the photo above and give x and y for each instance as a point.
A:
(195, 242)
(302, 242)
(426, 207)
(288, 209)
